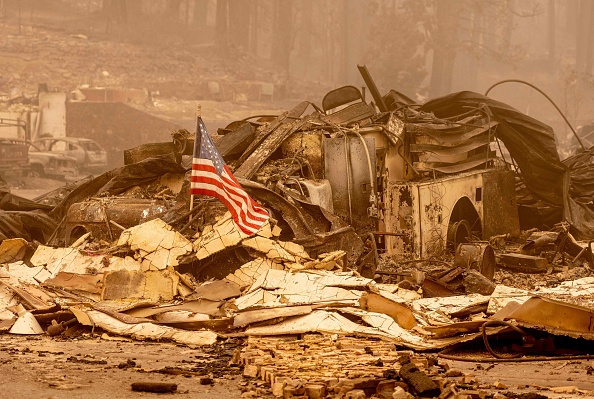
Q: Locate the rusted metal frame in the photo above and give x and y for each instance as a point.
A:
(270, 144)
(286, 117)
(372, 88)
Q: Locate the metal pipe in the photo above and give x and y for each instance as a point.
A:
(547, 97)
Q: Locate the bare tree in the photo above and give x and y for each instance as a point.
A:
(282, 32)
(222, 23)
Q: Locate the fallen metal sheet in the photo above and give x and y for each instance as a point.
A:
(297, 297)
(143, 330)
(12, 250)
(255, 316)
(504, 295)
(91, 283)
(32, 296)
(399, 312)
(465, 327)
(387, 325)
(203, 306)
(158, 245)
(578, 292)
(180, 316)
(331, 322)
(555, 317)
(215, 291)
(152, 285)
(435, 311)
(289, 282)
(317, 321)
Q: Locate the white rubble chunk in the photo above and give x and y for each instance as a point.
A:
(248, 273)
(143, 330)
(156, 243)
(272, 249)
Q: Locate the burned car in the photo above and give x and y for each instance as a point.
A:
(51, 164)
(14, 157)
(23, 157)
(90, 156)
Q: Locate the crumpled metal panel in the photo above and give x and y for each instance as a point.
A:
(340, 158)
(555, 317)
(95, 216)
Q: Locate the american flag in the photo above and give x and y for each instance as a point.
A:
(211, 176)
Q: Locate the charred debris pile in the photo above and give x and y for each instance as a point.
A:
(391, 224)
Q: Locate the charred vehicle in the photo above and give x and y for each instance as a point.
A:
(416, 183)
(90, 156)
(14, 157)
(49, 164)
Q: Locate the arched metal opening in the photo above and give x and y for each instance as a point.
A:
(464, 223)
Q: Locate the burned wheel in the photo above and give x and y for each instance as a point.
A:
(458, 232)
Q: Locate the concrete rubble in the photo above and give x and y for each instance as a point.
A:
(352, 285)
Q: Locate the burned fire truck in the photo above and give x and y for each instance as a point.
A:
(408, 180)
(427, 183)
(420, 179)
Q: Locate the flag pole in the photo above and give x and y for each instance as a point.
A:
(198, 115)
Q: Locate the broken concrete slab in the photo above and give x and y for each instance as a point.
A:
(272, 249)
(249, 272)
(157, 244)
(223, 234)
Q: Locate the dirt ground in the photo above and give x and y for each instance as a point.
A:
(43, 367)
(93, 367)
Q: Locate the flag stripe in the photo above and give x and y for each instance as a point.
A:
(232, 188)
(211, 176)
(209, 186)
